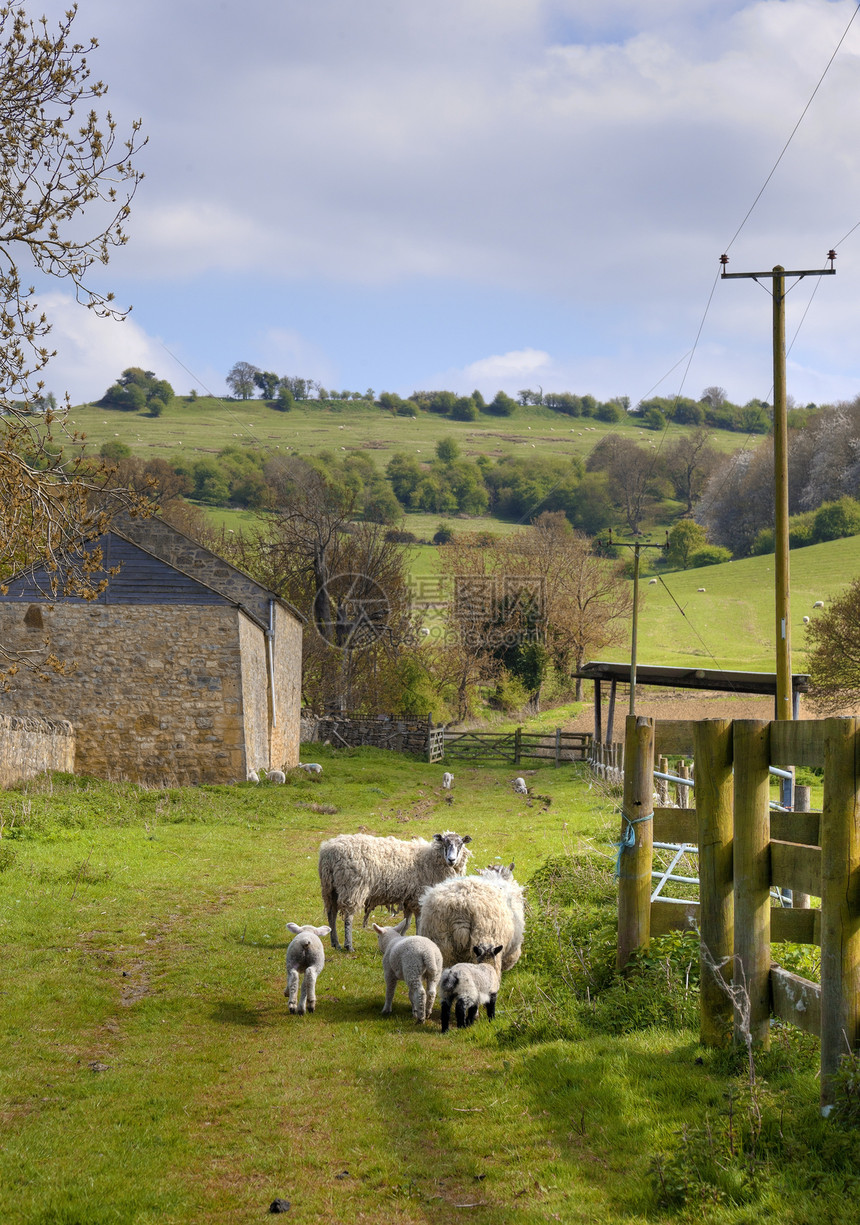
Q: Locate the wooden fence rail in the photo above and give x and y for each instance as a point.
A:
(555, 747)
(744, 851)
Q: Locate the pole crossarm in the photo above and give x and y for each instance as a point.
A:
(755, 276)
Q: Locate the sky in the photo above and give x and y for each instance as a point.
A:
(490, 194)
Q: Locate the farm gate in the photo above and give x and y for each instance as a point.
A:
(517, 746)
(744, 850)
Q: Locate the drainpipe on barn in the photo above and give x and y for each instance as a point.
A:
(270, 637)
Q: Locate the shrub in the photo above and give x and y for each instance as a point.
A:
(711, 555)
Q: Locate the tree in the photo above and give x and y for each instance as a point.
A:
(714, 396)
(632, 476)
(685, 538)
(267, 382)
(689, 463)
(242, 380)
(833, 653)
(447, 450)
(65, 196)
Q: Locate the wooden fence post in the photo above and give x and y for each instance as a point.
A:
(752, 873)
(517, 745)
(635, 855)
(840, 898)
(713, 749)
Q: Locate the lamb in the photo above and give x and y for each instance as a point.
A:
(276, 776)
(447, 781)
(361, 871)
(305, 955)
(312, 767)
(484, 909)
(468, 986)
(520, 786)
(253, 776)
(412, 960)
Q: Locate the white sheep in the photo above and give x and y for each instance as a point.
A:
(312, 767)
(253, 776)
(276, 776)
(447, 781)
(520, 786)
(360, 871)
(806, 620)
(305, 956)
(818, 604)
(468, 985)
(486, 908)
(412, 960)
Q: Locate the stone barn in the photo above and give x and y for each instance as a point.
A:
(184, 671)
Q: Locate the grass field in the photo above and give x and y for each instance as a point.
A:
(152, 1073)
(207, 425)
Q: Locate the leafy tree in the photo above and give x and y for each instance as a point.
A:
(465, 409)
(137, 389)
(502, 405)
(404, 472)
(684, 539)
(242, 379)
(632, 474)
(284, 400)
(834, 520)
(688, 463)
(447, 450)
(267, 382)
(65, 196)
(114, 450)
(833, 652)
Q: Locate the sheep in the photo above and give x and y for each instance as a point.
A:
(700, 589)
(361, 871)
(806, 620)
(305, 955)
(468, 985)
(447, 781)
(520, 786)
(276, 776)
(818, 604)
(485, 908)
(253, 776)
(312, 767)
(412, 960)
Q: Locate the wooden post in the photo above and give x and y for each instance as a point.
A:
(598, 729)
(610, 713)
(802, 803)
(840, 898)
(557, 745)
(752, 873)
(517, 745)
(713, 748)
(637, 827)
(662, 785)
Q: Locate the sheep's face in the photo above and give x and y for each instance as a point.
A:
(453, 847)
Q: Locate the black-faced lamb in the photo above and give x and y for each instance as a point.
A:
(412, 960)
(305, 956)
(467, 985)
(487, 909)
(360, 872)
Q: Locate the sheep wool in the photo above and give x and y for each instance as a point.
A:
(468, 985)
(305, 956)
(361, 871)
(411, 960)
(485, 909)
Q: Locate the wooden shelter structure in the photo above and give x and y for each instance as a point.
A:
(657, 675)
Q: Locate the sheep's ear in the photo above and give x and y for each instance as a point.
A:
(511, 866)
(437, 837)
(323, 931)
(379, 930)
(294, 928)
(497, 949)
(468, 838)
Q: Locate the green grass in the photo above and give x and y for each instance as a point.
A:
(732, 623)
(152, 1072)
(207, 425)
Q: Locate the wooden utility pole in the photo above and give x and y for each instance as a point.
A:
(636, 546)
(777, 276)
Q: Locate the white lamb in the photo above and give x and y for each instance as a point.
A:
(253, 776)
(305, 955)
(486, 909)
(276, 776)
(447, 781)
(520, 786)
(312, 767)
(360, 872)
(411, 960)
(468, 985)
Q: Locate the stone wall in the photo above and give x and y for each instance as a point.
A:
(29, 746)
(156, 695)
(401, 734)
(287, 654)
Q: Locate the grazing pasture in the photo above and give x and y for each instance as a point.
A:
(152, 1071)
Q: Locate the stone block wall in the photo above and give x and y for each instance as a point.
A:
(156, 695)
(30, 746)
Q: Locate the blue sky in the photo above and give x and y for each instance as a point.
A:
(476, 193)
